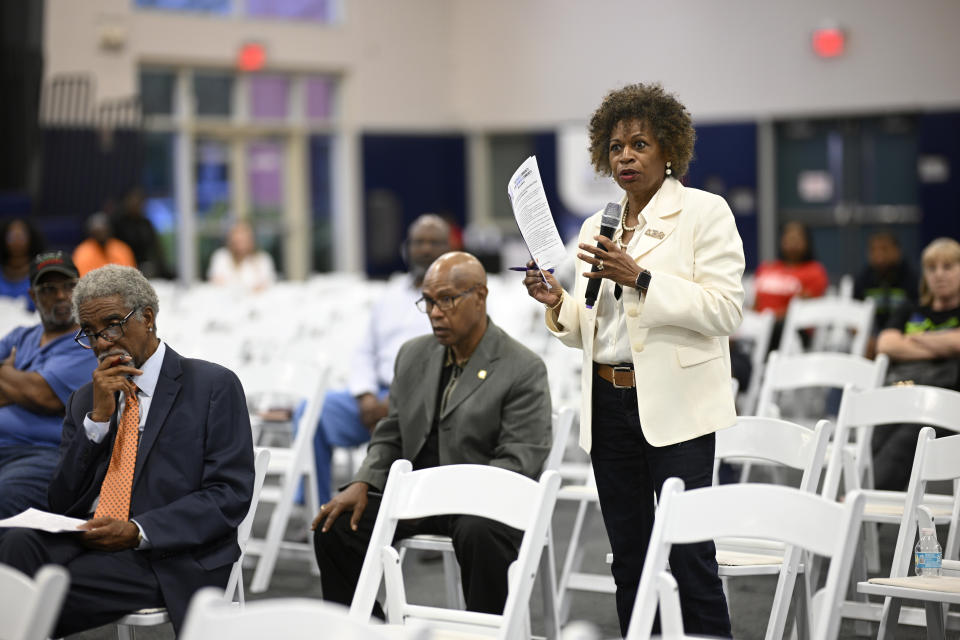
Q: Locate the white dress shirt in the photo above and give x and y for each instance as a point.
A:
(611, 345)
(394, 319)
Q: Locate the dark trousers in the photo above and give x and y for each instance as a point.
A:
(104, 585)
(629, 471)
(484, 549)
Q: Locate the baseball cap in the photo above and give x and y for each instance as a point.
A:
(50, 262)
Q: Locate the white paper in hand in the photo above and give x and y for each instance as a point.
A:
(533, 216)
(42, 520)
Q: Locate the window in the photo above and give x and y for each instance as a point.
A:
(156, 92)
(269, 97)
(205, 6)
(213, 93)
(239, 129)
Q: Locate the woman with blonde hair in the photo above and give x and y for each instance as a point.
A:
(923, 343)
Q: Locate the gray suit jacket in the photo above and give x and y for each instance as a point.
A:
(498, 414)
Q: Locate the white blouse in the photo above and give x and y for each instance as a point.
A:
(611, 344)
(254, 272)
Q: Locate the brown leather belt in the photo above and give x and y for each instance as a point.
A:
(620, 376)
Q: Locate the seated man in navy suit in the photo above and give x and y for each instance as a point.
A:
(156, 456)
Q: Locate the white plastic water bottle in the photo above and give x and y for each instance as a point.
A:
(929, 554)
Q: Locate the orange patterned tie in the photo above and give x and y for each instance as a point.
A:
(115, 491)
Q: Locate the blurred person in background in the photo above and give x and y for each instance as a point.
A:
(240, 264)
(923, 343)
(19, 243)
(41, 366)
(349, 415)
(886, 279)
(101, 248)
(796, 273)
(131, 225)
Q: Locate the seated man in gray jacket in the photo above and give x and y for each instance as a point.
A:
(468, 394)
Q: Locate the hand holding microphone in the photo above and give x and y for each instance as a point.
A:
(607, 259)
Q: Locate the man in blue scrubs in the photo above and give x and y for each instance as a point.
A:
(40, 366)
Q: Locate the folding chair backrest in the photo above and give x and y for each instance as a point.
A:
(824, 369)
(209, 618)
(479, 490)
(794, 517)
(823, 315)
(865, 409)
(935, 459)
(261, 462)
(29, 607)
(773, 440)
(466, 489)
(562, 422)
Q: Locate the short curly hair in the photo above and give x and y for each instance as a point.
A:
(116, 280)
(669, 119)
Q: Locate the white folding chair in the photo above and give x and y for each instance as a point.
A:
(755, 329)
(562, 422)
(29, 607)
(477, 490)
(814, 372)
(792, 446)
(291, 466)
(935, 459)
(290, 618)
(786, 372)
(863, 411)
(831, 318)
(234, 592)
(794, 517)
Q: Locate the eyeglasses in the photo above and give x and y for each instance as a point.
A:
(51, 289)
(444, 303)
(111, 333)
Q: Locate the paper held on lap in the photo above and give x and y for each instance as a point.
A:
(532, 212)
(42, 520)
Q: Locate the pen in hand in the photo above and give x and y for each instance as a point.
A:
(527, 269)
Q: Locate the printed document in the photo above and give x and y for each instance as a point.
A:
(42, 520)
(532, 212)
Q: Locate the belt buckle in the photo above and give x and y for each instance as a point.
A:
(615, 369)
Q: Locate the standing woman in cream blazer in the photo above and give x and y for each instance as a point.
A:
(656, 361)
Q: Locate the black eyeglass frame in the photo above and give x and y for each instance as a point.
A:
(114, 328)
(446, 303)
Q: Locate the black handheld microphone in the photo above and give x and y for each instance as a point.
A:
(608, 224)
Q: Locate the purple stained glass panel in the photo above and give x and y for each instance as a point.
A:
(265, 173)
(319, 10)
(319, 97)
(269, 96)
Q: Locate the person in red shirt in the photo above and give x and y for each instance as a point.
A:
(796, 273)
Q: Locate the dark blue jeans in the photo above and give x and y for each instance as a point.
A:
(628, 471)
(25, 473)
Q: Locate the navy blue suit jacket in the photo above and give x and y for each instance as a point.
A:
(193, 479)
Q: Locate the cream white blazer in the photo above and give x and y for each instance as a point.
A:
(679, 331)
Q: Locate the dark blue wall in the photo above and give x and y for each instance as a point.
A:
(939, 134)
(419, 174)
(725, 160)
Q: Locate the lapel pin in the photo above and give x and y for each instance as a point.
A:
(654, 233)
(482, 374)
